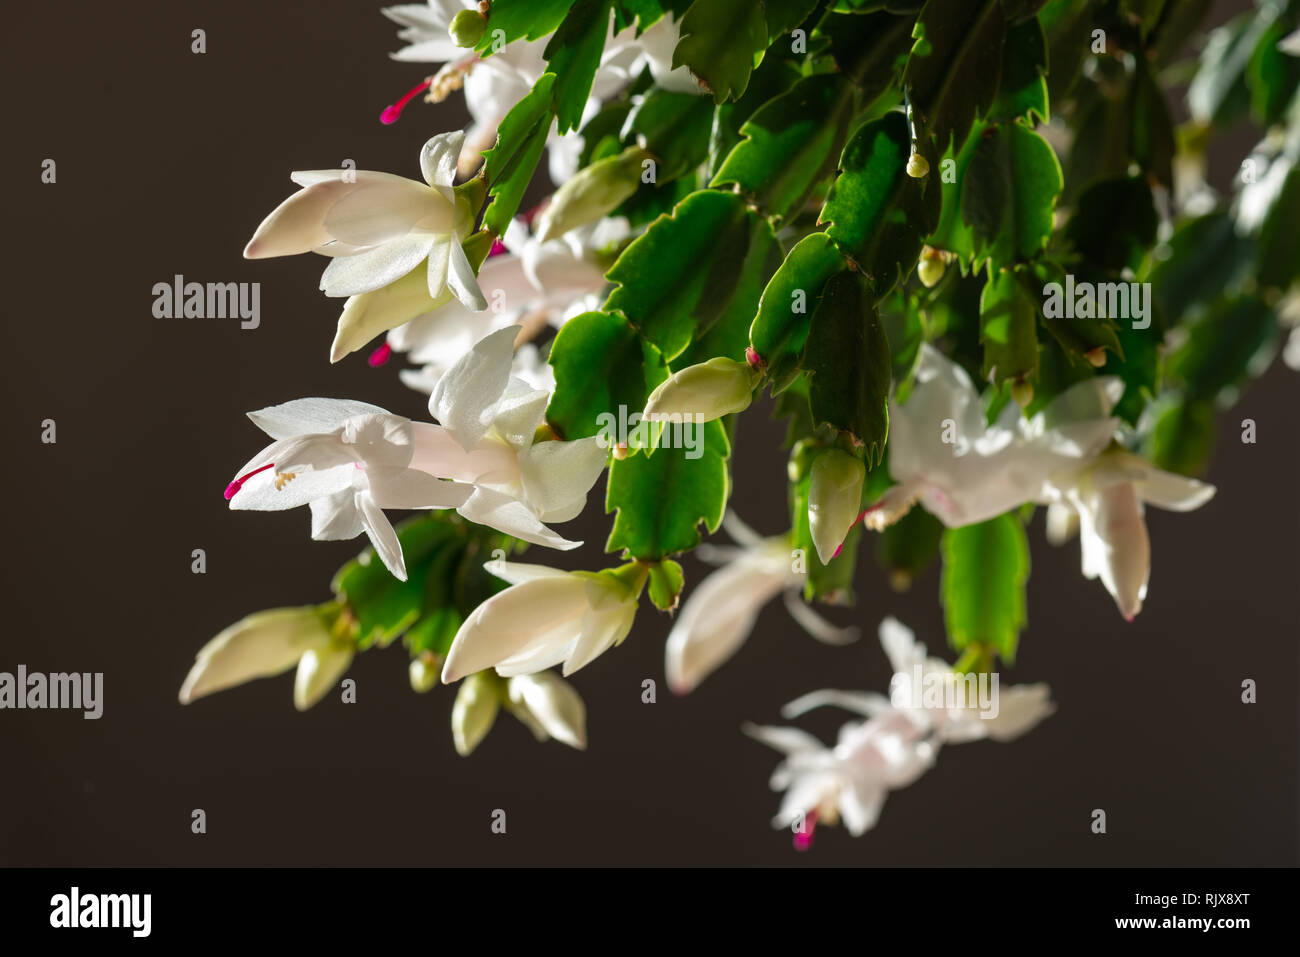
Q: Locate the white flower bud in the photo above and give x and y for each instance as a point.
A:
(703, 392)
(834, 500)
(264, 644)
(595, 191)
(549, 704)
(475, 710)
(319, 670)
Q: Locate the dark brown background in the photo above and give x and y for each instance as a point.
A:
(166, 162)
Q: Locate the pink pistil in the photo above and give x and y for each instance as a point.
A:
(380, 356)
(803, 839)
(238, 483)
(392, 113)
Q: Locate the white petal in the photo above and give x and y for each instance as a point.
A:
(558, 475)
(509, 621)
(519, 412)
(862, 702)
(461, 279)
(714, 622)
(1125, 555)
(409, 488)
(505, 514)
(382, 536)
(517, 572)
(372, 313)
(309, 416)
(465, 397)
(824, 631)
(335, 517)
(354, 275)
(601, 630)
(901, 647)
(785, 740)
(383, 208)
(1020, 708)
(438, 158)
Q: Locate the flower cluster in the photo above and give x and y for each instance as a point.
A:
(858, 212)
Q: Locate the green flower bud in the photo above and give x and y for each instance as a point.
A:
(475, 710)
(467, 28)
(423, 673)
(592, 193)
(703, 392)
(834, 500)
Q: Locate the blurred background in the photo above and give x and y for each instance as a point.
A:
(167, 161)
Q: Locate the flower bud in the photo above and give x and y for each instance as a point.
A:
(467, 28)
(264, 644)
(548, 704)
(423, 673)
(930, 268)
(592, 193)
(1022, 392)
(701, 393)
(917, 166)
(834, 500)
(475, 709)
(319, 670)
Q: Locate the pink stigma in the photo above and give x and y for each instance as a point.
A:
(392, 113)
(238, 483)
(380, 356)
(803, 839)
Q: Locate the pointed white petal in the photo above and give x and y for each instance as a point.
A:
(465, 398)
(319, 670)
(382, 535)
(438, 158)
(371, 270)
(309, 416)
(372, 313)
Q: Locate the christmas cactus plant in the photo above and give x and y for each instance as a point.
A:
(963, 243)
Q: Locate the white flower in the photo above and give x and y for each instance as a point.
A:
(720, 612)
(533, 283)
(1108, 495)
(849, 781)
(425, 29)
(488, 422)
(348, 461)
(378, 227)
(546, 617)
(964, 471)
(266, 644)
(494, 84)
(899, 740)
